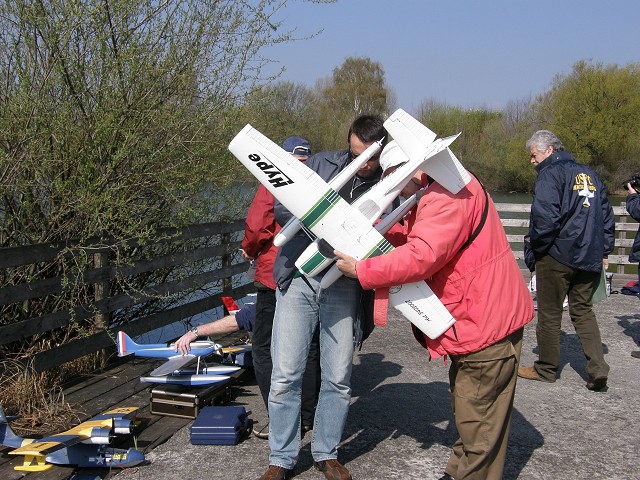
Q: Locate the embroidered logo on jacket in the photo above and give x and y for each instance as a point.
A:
(585, 188)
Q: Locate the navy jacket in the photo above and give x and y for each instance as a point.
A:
(574, 225)
(327, 165)
(633, 207)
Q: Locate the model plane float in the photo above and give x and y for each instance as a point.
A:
(171, 372)
(84, 445)
(337, 225)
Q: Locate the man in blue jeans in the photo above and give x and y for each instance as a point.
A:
(257, 244)
(301, 307)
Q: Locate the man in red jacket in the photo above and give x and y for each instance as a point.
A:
(458, 246)
(257, 244)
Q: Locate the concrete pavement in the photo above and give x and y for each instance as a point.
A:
(400, 424)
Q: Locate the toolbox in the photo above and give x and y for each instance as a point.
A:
(187, 401)
(220, 426)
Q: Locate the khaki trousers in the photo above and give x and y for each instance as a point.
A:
(483, 386)
(553, 281)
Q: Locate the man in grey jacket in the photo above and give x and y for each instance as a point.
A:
(301, 307)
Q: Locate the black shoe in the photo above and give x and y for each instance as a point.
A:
(446, 476)
(635, 354)
(276, 473)
(333, 469)
(597, 384)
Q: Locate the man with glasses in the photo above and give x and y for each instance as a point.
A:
(571, 232)
(302, 307)
(257, 244)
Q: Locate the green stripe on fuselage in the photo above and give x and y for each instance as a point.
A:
(312, 263)
(381, 248)
(320, 209)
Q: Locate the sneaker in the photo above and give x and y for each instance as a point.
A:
(262, 432)
(635, 354)
(276, 473)
(333, 469)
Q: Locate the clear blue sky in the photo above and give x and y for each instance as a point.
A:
(467, 53)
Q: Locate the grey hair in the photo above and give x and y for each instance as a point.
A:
(543, 139)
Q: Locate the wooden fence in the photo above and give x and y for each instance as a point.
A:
(217, 244)
(213, 243)
(515, 219)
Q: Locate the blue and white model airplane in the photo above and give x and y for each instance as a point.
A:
(349, 228)
(84, 445)
(171, 372)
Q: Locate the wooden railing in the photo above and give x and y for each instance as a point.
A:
(216, 243)
(213, 244)
(515, 219)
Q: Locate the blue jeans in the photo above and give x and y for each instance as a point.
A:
(298, 311)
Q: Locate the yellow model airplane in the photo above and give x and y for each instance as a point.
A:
(85, 445)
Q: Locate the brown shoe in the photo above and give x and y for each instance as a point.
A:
(275, 473)
(333, 469)
(530, 373)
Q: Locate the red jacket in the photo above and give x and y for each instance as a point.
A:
(481, 286)
(261, 227)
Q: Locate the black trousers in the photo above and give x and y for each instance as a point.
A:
(262, 364)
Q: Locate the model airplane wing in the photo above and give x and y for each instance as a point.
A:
(98, 430)
(418, 142)
(338, 225)
(172, 364)
(307, 196)
(84, 445)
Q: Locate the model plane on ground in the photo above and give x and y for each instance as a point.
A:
(349, 228)
(170, 371)
(84, 445)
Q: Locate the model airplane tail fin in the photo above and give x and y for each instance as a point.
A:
(8, 438)
(126, 346)
(230, 305)
(417, 141)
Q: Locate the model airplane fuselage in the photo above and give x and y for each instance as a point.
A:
(170, 371)
(349, 228)
(84, 445)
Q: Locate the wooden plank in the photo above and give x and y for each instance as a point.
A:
(77, 348)
(50, 286)
(28, 254)
(29, 327)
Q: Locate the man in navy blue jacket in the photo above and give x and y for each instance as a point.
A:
(571, 233)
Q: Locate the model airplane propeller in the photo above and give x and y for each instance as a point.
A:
(84, 445)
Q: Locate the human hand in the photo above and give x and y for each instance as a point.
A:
(246, 256)
(605, 263)
(630, 189)
(183, 344)
(346, 264)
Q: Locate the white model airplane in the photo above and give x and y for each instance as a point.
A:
(348, 228)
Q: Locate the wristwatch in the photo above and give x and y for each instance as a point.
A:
(194, 330)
